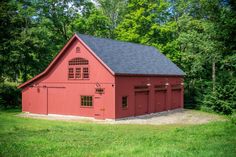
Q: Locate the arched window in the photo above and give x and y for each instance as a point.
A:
(78, 69)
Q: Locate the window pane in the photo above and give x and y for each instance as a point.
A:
(124, 101)
(78, 73)
(71, 73)
(78, 61)
(85, 73)
(86, 101)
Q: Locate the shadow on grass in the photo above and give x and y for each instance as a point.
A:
(10, 110)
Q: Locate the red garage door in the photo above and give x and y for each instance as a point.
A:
(175, 98)
(141, 103)
(160, 101)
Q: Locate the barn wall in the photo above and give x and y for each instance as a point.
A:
(34, 100)
(63, 95)
(125, 87)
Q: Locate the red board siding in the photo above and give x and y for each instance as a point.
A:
(34, 100)
(125, 87)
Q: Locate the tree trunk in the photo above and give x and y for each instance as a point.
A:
(64, 32)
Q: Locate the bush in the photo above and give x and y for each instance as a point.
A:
(9, 95)
(212, 102)
(233, 118)
(222, 100)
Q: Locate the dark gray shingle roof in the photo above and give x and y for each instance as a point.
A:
(130, 58)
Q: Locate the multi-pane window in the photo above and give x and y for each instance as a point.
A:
(78, 69)
(71, 73)
(124, 101)
(77, 73)
(78, 61)
(86, 101)
(85, 73)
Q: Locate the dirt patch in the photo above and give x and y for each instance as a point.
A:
(179, 116)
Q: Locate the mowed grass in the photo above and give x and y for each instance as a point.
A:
(33, 137)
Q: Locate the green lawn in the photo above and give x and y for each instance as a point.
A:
(31, 137)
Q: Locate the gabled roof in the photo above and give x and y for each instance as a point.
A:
(121, 58)
(130, 58)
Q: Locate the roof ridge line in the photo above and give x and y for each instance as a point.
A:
(115, 40)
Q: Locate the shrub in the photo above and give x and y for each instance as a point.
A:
(9, 95)
(212, 102)
(233, 118)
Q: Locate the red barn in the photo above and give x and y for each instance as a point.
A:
(105, 79)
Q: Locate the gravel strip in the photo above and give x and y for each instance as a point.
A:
(178, 116)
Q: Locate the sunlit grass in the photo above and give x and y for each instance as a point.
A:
(33, 137)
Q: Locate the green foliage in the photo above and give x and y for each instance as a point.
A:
(113, 10)
(223, 100)
(213, 103)
(9, 95)
(34, 137)
(199, 36)
(233, 118)
(142, 23)
(95, 24)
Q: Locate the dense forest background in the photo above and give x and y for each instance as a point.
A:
(198, 35)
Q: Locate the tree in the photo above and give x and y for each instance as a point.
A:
(142, 23)
(93, 22)
(114, 10)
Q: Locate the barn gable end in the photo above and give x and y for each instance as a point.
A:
(69, 51)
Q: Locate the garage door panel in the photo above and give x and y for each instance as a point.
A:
(141, 103)
(160, 101)
(176, 98)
